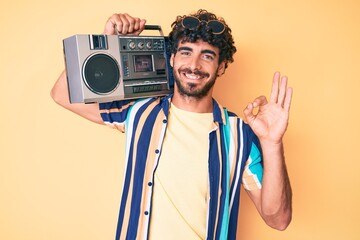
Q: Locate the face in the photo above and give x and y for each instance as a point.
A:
(196, 66)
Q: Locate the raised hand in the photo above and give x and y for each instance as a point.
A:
(124, 24)
(271, 120)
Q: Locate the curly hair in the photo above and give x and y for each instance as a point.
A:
(223, 41)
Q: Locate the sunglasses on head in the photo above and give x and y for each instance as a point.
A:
(192, 23)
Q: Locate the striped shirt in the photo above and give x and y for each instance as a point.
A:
(234, 158)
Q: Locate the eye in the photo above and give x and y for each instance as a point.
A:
(185, 53)
(208, 57)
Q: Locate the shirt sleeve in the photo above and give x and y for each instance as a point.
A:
(253, 171)
(114, 113)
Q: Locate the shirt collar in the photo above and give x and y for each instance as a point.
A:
(218, 110)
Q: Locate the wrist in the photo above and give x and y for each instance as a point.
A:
(270, 141)
(271, 146)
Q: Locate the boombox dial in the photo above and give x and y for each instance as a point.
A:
(141, 45)
(144, 44)
(132, 45)
(149, 45)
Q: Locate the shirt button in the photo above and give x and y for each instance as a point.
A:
(149, 184)
(146, 213)
(157, 151)
(164, 121)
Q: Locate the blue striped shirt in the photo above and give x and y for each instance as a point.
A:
(234, 152)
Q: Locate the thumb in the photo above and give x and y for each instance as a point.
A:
(142, 24)
(141, 27)
(248, 113)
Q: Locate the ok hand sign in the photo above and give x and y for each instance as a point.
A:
(271, 120)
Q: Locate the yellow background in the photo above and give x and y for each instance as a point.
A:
(60, 175)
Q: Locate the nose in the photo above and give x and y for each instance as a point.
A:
(194, 63)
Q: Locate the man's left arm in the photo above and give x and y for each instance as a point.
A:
(274, 199)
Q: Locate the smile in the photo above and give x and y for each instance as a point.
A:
(192, 76)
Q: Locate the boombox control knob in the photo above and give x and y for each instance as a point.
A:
(141, 45)
(149, 45)
(132, 45)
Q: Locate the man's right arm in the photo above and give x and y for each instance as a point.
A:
(117, 24)
(60, 95)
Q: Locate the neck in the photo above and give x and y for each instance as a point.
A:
(192, 104)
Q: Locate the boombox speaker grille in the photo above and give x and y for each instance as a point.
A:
(101, 74)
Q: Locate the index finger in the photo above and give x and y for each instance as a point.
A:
(110, 25)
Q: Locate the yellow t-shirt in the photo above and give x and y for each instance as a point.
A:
(179, 204)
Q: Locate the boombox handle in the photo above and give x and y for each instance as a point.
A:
(154, 27)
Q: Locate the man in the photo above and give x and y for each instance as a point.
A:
(186, 156)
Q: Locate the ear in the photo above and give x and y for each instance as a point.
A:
(172, 60)
(221, 69)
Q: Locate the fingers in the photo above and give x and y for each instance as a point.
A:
(288, 98)
(124, 24)
(249, 110)
(280, 93)
(260, 101)
(275, 88)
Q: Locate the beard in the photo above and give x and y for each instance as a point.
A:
(190, 89)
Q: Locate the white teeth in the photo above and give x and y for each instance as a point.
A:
(191, 76)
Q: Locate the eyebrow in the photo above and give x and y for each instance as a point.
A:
(190, 49)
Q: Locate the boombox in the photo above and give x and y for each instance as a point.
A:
(103, 68)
